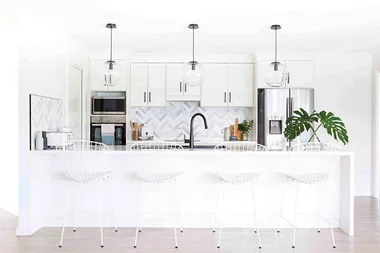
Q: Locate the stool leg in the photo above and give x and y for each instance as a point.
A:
(101, 215)
(177, 216)
(217, 206)
(295, 216)
(255, 214)
(281, 208)
(138, 229)
(221, 213)
(329, 216)
(318, 209)
(178, 206)
(175, 237)
(66, 212)
(114, 221)
(75, 218)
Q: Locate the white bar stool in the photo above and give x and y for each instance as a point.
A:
(237, 178)
(79, 172)
(298, 177)
(150, 176)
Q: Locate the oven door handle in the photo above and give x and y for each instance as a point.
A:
(106, 123)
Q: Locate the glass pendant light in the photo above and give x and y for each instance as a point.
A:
(193, 70)
(110, 76)
(276, 73)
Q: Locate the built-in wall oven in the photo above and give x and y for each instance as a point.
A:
(108, 105)
(114, 122)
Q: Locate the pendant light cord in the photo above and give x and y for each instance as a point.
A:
(111, 46)
(275, 46)
(193, 45)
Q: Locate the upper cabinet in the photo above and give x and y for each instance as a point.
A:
(97, 69)
(214, 88)
(148, 84)
(240, 84)
(228, 85)
(300, 73)
(176, 89)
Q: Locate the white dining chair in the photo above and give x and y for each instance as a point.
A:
(78, 170)
(237, 177)
(158, 177)
(299, 175)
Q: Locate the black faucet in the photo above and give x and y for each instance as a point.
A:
(191, 140)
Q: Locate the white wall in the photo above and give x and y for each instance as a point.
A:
(375, 184)
(43, 67)
(80, 59)
(9, 108)
(343, 85)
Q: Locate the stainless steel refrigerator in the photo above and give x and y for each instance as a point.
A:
(275, 106)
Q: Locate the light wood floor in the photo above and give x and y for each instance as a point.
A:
(46, 240)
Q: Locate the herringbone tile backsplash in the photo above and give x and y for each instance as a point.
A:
(173, 121)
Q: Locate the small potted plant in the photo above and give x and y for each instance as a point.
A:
(245, 128)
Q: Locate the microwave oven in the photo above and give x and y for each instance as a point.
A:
(108, 105)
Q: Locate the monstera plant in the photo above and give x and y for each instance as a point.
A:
(301, 121)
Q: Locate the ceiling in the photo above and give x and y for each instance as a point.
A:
(239, 26)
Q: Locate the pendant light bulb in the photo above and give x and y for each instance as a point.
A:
(193, 70)
(111, 77)
(276, 72)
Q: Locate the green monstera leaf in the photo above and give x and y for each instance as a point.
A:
(301, 121)
(334, 126)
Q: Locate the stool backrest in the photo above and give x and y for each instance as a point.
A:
(304, 163)
(239, 147)
(315, 147)
(155, 146)
(80, 156)
(227, 167)
(156, 168)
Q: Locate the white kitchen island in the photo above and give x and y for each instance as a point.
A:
(43, 189)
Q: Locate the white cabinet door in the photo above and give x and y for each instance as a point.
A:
(156, 84)
(301, 74)
(214, 87)
(240, 85)
(174, 81)
(97, 69)
(139, 84)
(192, 92)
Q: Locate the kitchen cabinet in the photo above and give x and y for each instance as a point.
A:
(228, 85)
(300, 73)
(147, 84)
(240, 85)
(97, 69)
(215, 85)
(176, 89)
(156, 84)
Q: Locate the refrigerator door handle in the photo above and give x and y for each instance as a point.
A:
(290, 107)
(287, 109)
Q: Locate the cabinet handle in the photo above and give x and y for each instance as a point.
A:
(185, 87)
(225, 97)
(180, 86)
(230, 97)
(150, 97)
(144, 97)
(288, 77)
